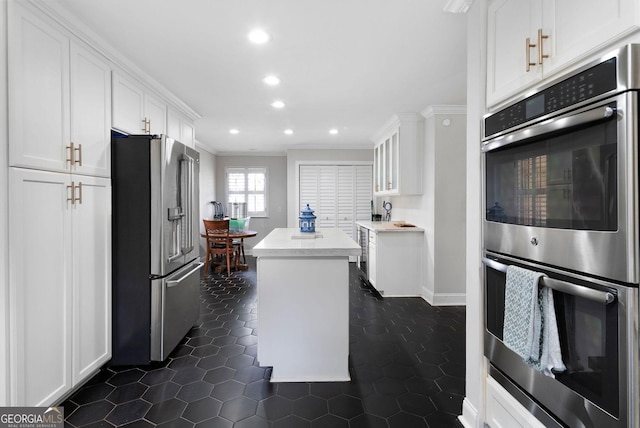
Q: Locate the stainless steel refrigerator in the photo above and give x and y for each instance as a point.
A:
(156, 264)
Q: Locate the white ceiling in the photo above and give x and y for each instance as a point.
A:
(344, 64)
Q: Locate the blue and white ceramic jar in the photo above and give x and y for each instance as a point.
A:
(307, 220)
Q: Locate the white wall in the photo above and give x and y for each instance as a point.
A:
(277, 192)
(207, 190)
(441, 207)
(4, 277)
(298, 156)
(475, 371)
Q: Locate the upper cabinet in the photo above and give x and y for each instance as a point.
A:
(397, 156)
(180, 128)
(59, 99)
(531, 40)
(135, 110)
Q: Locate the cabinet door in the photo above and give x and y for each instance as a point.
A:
(509, 24)
(38, 76)
(155, 111)
(393, 167)
(188, 134)
(377, 169)
(40, 286)
(372, 267)
(90, 112)
(91, 276)
(174, 124)
(565, 22)
(128, 105)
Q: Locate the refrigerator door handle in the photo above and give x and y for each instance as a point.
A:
(176, 282)
(187, 173)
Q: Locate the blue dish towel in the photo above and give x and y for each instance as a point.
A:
(530, 326)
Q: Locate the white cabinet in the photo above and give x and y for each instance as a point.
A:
(532, 40)
(59, 99)
(91, 249)
(395, 262)
(398, 156)
(340, 195)
(60, 319)
(372, 252)
(135, 110)
(180, 128)
(504, 411)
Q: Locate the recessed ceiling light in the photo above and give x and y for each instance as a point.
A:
(288, 131)
(333, 131)
(258, 36)
(233, 131)
(277, 104)
(271, 80)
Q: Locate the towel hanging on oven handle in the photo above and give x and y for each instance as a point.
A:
(562, 286)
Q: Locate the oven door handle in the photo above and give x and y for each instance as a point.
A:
(547, 126)
(603, 297)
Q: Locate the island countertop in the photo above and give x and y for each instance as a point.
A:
(288, 242)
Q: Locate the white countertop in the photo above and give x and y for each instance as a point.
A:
(388, 226)
(280, 242)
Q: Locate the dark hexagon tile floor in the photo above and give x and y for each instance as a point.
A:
(407, 363)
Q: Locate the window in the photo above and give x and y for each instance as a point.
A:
(248, 185)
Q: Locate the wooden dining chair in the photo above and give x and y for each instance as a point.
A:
(219, 243)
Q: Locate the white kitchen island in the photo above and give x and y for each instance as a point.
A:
(303, 304)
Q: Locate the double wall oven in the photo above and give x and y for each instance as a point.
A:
(561, 198)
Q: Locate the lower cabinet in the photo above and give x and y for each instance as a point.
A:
(395, 262)
(504, 411)
(60, 282)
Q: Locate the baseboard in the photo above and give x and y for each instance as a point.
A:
(444, 299)
(469, 416)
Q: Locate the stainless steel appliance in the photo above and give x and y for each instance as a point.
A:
(361, 261)
(156, 267)
(561, 197)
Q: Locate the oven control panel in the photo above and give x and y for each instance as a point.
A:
(587, 84)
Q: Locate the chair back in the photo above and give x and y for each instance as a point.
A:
(217, 232)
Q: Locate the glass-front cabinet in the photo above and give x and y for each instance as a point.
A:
(398, 162)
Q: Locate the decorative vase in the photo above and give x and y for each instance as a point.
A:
(307, 220)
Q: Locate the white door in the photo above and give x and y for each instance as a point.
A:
(90, 112)
(509, 24)
(38, 91)
(128, 105)
(91, 216)
(363, 188)
(327, 203)
(40, 286)
(565, 23)
(345, 199)
(155, 112)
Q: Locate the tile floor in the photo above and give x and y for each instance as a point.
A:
(406, 361)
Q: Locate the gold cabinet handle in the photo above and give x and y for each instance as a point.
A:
(73, 197)
(73, 193)
(146, 125)
(528, 46)
(79, 159)
(541, 54)
(79, 198)
(71, 154)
